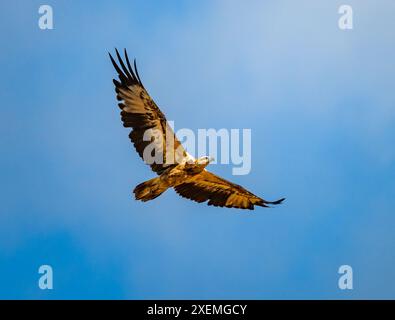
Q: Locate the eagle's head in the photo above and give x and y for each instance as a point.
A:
(204, 161)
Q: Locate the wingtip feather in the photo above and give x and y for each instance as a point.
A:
(279, 201)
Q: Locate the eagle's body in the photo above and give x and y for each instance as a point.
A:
(187, 175)
(170, 178)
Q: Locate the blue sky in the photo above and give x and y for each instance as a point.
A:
(319, 101)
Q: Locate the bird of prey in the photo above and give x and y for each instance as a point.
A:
(187, 175)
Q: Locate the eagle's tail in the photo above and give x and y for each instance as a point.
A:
(150, 189)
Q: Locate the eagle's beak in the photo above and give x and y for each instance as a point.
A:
(211, 159)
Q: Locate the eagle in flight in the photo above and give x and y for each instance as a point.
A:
(187, 175)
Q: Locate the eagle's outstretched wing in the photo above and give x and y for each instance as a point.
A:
(220, 192)
(141, 113)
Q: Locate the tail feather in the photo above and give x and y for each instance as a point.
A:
(149, 190)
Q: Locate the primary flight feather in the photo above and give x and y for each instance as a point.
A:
(177, 169)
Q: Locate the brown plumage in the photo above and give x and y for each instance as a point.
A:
(176, 167)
